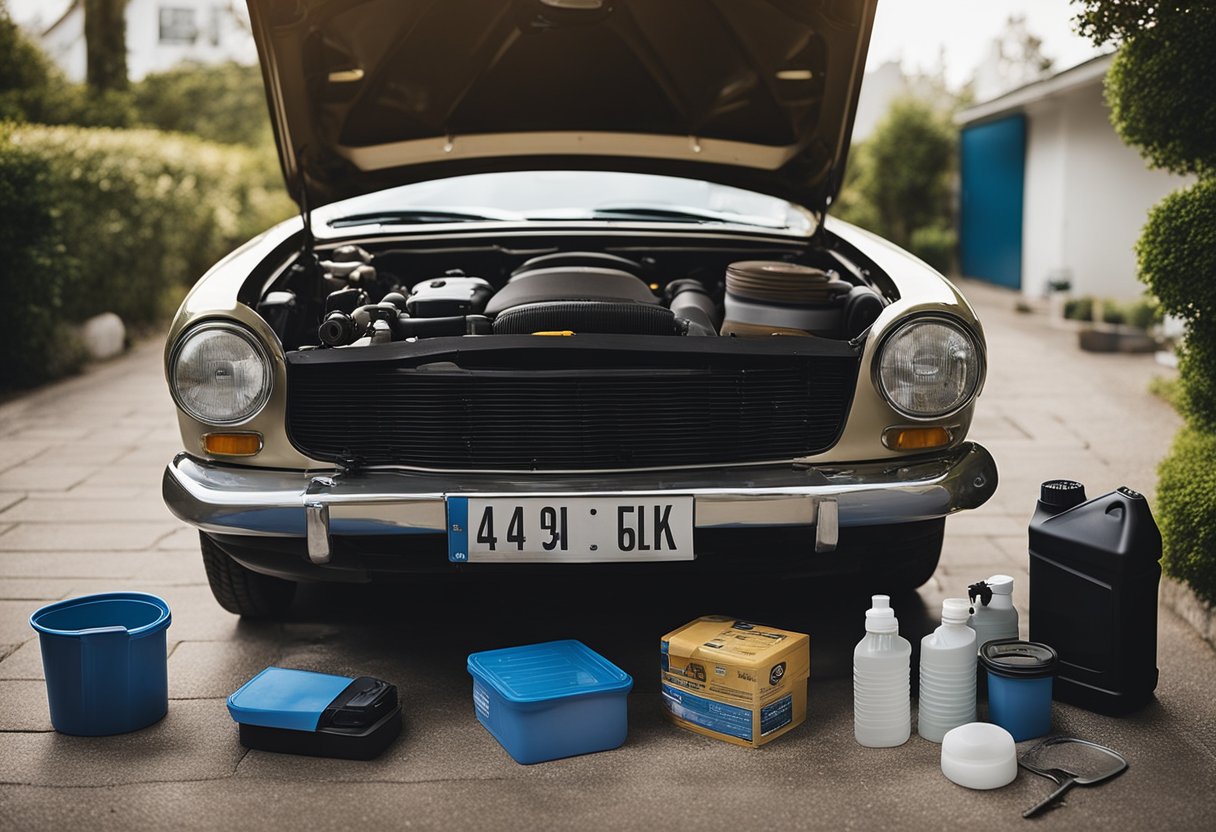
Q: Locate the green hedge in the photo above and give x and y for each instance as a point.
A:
(1176, 251)
(1186, 507)
(123, 221)
(1161, 93)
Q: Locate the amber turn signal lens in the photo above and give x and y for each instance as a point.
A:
(915, 439)
(232, 444)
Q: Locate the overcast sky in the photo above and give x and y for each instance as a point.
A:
(915, 31)
(911, 31)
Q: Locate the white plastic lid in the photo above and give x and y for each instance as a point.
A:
(956, 611)
(1000, 584)
(979, 755)
(880, 618)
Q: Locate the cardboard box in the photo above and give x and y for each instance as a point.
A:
(739, 682)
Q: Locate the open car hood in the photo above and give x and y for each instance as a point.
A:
(368, 94)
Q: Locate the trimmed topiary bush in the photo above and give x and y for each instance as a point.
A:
(1176, 251)
(1186, 510)
(1161, 93)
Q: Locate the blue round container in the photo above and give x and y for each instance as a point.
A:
(1020, 675)
(104, 660)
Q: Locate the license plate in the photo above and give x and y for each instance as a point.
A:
(569, 529)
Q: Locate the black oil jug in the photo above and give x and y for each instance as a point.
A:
(1094, 570)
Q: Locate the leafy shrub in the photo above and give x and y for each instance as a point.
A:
(1079, 309)
(1161, 93)
(33, 89)
(1112, 312)
(899, 179)
(222, 103)
(935, 245)
(1143, 314)
(1176, 250)
(100, 220)
(1186, 506)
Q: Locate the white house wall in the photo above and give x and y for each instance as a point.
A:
(221, 37)
(1087, 197)
(1044, 219)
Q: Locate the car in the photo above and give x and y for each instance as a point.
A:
(564, 297)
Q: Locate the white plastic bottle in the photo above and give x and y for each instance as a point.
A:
(993, 615)
(882, 701)
(947, 673)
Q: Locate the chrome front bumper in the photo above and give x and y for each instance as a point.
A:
(231, 500)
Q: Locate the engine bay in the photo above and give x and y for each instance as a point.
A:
(350, 296)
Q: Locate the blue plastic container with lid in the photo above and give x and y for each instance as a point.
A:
(551, 700)
(1020, 676)
(104, 661)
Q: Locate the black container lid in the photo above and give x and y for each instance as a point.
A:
(1062, 494)
(1017, 659)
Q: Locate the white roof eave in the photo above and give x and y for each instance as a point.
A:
(1089, 72)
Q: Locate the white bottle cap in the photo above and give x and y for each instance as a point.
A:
(880, 618)
(956, 611)
(1000, 584)
(979, 755)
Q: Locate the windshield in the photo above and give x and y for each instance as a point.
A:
(570, 195)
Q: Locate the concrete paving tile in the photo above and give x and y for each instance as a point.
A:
(214, 669)
(196, 740)
(45, 508)
(25, 706)
(197, 616)
(48, 434)
(142, 475)
(15, 451)
(97, 452)
(33, 589)
(88, 536)
(185, 538)
(15, 620)
(29, 476)
(86, 564)
(124, 492)
(23, 663)
(983, 523)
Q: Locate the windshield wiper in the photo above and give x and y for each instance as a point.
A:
(667, 213)
(419, 215)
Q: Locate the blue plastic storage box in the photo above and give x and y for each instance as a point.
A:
(302, 712)
(552, 700)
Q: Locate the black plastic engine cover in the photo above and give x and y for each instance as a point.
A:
(570, 283)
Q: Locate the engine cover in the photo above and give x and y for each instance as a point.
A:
(571, 283)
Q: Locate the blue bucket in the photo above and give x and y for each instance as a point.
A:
(104, 660)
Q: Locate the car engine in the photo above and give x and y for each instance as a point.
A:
(357, 299)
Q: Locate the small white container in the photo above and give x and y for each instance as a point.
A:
(979, 755)
(996, 619)
(882, 702)
(947, 673)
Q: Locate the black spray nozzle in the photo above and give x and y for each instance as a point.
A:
(980, 590)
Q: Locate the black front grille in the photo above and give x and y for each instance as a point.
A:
(619, 409)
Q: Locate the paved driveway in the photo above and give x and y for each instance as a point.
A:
(80, 512)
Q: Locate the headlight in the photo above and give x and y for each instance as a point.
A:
(929, 367)
(220, 374)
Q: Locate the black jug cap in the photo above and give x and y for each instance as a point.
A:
(1062, 494)
(1013, 658)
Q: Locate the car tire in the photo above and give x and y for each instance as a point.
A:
(901, 557)
(242, 591)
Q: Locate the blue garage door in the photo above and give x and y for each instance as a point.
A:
(993, 169)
